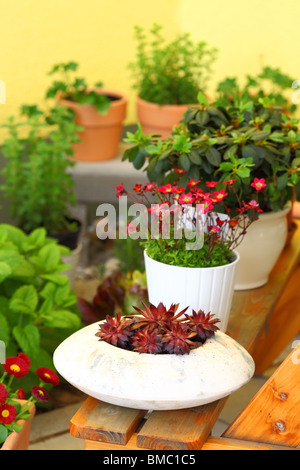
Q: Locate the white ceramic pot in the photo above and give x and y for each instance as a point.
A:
(260, 249)
(209, 289)
(149, 381)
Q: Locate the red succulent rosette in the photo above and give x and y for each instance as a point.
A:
(8, 414)
(16, 366)
(47, 375)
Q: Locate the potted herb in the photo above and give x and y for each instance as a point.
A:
(16, 412)
(245, 141)
(37, 181)
(190, 244)
(38, 309)
(157, 358)
(98, 111)
(167, 77)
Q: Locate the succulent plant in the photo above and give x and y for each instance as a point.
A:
(158, 330)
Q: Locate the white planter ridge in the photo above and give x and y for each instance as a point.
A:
(260, 249)
(209, 289)
(153, 382)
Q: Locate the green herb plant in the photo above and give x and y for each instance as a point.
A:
(170, 73)
(38, 309)
(37, 180)
(241, 141)
(76, 89)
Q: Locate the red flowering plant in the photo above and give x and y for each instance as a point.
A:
(191, 226)
(11, 409)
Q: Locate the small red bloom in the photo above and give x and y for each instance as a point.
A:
(259, 184)
(47, 375)
(167, 188)
(231, 181)
(180, 171)
(131, 228)
(40, 393)
(8, 414)
(192, 183)
(3, 394)
(20, 394)
(120, 188)
(211, 184)
(233, 223)
(219, 195)
(186, 199)
(25, 358)
(137, 188)
(16, 366)
(149, 187)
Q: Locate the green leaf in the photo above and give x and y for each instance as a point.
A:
(49, 257)
(5, 270)
(62, 319)
(282, 181)
(184, 162)
(3, 433)
(4, 329)
(38, 237)
(28, 338)
(213, 156)
(24, 300)
(243, 172)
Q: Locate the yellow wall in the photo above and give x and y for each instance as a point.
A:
(35, 34)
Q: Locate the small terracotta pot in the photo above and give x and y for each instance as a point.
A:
(156, 119)
(20, 440)
(102, 133)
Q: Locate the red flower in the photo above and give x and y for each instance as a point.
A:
(3, 394)
(149, 187)
(25, 358)
(40, 393)
(259, 184)
(131, 228)
(233, 223)
(192, 183)
(137, 188)
(20, 394)
(8, 414)
(167, 188)
(180, 171)
(219, 195)
(120, 190)
(211, 184)
(16, 366)
(186, 199)
(231, 181)
(47, 375)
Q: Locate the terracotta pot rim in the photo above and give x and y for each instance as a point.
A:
(122, 98)
(164, 106)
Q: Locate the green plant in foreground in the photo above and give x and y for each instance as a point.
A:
(170, 73)
(75, 88)
(38, 309)
(37, 180)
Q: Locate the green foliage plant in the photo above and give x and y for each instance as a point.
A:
(37, 180)
(271, 82)
(38, 309)
(170, 73)
(241, 140)
(75, 88)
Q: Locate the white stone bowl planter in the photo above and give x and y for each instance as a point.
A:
(153, 382)
(260, 249)
(209, 289)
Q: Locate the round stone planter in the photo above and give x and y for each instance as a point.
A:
(153, 382)
(209, 289)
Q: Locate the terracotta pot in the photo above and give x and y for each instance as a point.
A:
(156, 119)
(102, 133)
(20, 440)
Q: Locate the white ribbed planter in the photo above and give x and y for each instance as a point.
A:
(209, 289)
(260, 249)
(149, 381)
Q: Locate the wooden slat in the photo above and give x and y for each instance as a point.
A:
(101, 421)
(273, 415)
(283, 327)
(180, 429)
(212, 443)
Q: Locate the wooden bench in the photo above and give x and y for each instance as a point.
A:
(264, 321)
